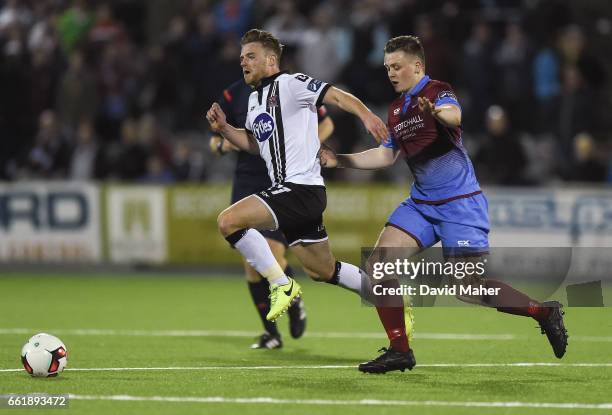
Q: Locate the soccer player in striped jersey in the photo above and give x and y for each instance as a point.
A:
(446, 203)
(251, 176)
(281, 126)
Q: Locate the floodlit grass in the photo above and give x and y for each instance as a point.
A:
(196, 332)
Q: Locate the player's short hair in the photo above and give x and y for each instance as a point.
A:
(266, 39)
(409, 44)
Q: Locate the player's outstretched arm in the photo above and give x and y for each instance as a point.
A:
(220, 146)
(372, 159)
(326, 128)
(238, 137)
(350, 103)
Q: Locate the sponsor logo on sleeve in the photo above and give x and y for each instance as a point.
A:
(314, 85)
(447, 94)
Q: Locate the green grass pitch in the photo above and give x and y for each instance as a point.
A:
(196, 330)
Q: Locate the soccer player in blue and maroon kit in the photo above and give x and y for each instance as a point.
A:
(446, 203)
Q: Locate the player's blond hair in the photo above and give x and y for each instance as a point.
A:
(267, 40)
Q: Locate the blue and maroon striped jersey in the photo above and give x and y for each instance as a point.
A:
(440, 164)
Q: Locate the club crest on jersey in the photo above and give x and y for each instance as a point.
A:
(273, 101)
(263, 127)
(396, 111)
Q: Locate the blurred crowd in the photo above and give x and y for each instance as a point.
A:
(117, 89)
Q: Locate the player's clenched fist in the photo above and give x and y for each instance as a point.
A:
(216, 118)
(327, 157)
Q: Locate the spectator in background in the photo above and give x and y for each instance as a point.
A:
(107, 60)
(572, 45)
(112, 86)
(43, 78)
(16, 116)
(42, 35)
(514, 69)
(439, 60)
(501, 158)
(320, 51)
(202, 47)
(73, 25)
(232, 17)
(479, 75)
(590, 164)
(131, 162)
(226, 59)
(588, 69)
(157, 171)
(546, 86)
(46, 61)
(87, 161)
(574, 110)
(287, 24)
(167, 74)
(152, 136)
(105, 29)
(368, 36)
(187, 164)
(77, 93)
(15, 13)
(50, 156)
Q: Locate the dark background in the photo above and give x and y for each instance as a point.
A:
(117, 89)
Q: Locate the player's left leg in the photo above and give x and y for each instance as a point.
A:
(463, 230)
(259, 288)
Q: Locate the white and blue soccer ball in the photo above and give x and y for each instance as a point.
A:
(44, 355)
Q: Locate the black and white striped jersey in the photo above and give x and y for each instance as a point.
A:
(282, 116)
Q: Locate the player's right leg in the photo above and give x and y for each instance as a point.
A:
(406, 232)
(259, 288)
(239, 224)
(321, 265)
(397, 321)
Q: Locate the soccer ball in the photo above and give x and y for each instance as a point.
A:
(44, 355)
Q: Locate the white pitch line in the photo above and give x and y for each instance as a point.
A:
(239, 333)
(337, 402)
(242, 333)
(425, 365)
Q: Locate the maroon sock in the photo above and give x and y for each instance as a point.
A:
(391, 314)
(512, 301)
(392, 319)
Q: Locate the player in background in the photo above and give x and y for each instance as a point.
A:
(250, 177)
(446, 203)
(281, 126)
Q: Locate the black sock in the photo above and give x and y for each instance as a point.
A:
(289, 271)
(259, 293)
(335, 279)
